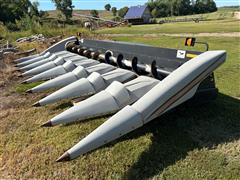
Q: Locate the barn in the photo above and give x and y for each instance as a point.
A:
(138, 15)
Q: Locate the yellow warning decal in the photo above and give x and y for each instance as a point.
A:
(192, 55)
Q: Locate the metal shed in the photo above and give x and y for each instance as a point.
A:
(138, 15)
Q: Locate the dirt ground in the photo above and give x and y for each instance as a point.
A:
(8, 78)
(12, 104)
(237, 15)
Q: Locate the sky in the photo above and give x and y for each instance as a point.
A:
(99, 4)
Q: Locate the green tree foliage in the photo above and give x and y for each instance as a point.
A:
(160, 10)
(182, 7)
(65, 7)
(117, 18)
(34, 9)
(20, 14)
(94, 13)
(164, 8)
(108, 7)
(205, 6)
(122, 12)
(114, 11)
(28, 23)
(13, 10)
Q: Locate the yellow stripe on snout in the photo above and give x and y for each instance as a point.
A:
(192, 55)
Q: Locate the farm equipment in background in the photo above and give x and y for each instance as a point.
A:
(97, 22)
(135, 82)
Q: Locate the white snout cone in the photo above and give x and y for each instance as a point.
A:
(108, 101)
(76, 74)
(46, 60)
(174, 89)
(33, 60)
(61, 69)
(24, 59)
(42, 57)
(88, 86)
(52, 64)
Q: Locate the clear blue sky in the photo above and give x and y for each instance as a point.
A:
(99, 4)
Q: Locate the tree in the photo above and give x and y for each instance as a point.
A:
(205, 6)
(65, 7)
(108, 7)
(13, 10)
(34, 9)
(114, 11)
(162, 8)
(159, 8)
(123, 11)
(155, 13)
(94, 13)
(186, 7)
(199, 7)
(182, 7)
(212, 7)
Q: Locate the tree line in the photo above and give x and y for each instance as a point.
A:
(118, 14)
(19, 14)
(165, 8)
(12, 11)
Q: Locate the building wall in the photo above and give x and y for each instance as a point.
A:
(136, 21)
(145, 19)
(146, 16)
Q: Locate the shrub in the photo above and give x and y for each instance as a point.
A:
(117, 18)
(3, 31)
(153, 21)
(123, 11)
(12, 26)
(94, 13)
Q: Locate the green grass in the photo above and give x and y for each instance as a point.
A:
(221, 21)
(222, 13)
(46, 31)
(184, 27)
(193, 142)
(21, 88)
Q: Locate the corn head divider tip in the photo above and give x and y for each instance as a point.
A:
(136, 81)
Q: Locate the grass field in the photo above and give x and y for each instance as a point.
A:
(183, 27)
(222, 13)
(45, 30)
(102, 14)
(192, 142)
(221, 21)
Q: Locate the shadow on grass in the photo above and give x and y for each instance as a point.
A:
(185, 129)
(63, 105)
(88, 120)
(67, 103)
